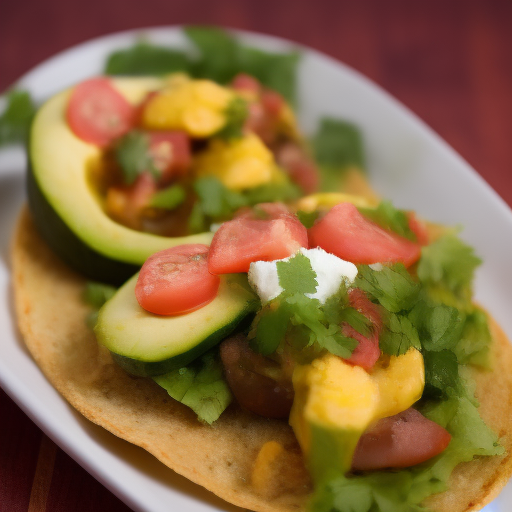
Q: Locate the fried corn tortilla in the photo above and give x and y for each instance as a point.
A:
(221, 458)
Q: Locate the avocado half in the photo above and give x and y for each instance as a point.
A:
(65, 208)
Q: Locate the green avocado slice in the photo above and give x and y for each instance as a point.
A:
(147, 344)
(65, 208)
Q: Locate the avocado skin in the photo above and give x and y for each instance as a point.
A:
(68, 246)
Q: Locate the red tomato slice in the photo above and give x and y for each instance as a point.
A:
(171, 154)
(400, 441)
(176, 281)
(419, 228)
(244, 82)
(97, 113)
(301, 169)
(272, 103)
(239, 242)
(367, 351)
(350, 236)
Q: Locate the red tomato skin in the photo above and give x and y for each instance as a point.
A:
(176, 281)
(243, 240)
(400, 441)
(245, 82)
(419, 228)
(97, 113)
(272, 103)
(301, 169)
(343, 231)
(367, 351)
(171, 153)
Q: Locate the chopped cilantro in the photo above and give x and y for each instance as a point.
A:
(169, 198)
(311, 324)
(200, 386)
(146, 59)
(296, 275)
(473, 346)
(388, 217)
(392, 286)
(215, 202)
(399, 335)
(272, 193)
(16, 118)
(448, 265)
(308, 218)
(276, 71)
(132, 154)
(235, 114)
(337, 146)
(218, 51)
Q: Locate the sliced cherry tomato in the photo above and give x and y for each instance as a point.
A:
(176, 281)
(97, 113)
(367, 351)
(272, 102)
(171, 154)
(350, 236)
(247, 238)
(400, 441)
(301, 169)
(244, 82)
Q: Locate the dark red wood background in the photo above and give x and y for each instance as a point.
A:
(448, 61)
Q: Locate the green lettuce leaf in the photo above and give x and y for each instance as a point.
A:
(200, 386)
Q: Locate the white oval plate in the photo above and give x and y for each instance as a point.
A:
(408, 163)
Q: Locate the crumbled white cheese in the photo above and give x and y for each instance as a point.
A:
(330, 271)
(376, 266)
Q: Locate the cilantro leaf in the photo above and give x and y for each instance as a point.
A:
(16, 118)
(389, 217)
(132, 154)
(449, 263)
(337, 146)
(439, 326)
(277, 71)
(200, 386)
(235, 114)
(296, 275)
(169, 198)
(398, 336)
(270, 329)
(473, 347)
(441, 374)
(146, 59)
(217, 53)
(307, 219)
(216, 200)
(392, 286)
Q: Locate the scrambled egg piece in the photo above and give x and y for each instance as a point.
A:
(195, 106)
(240, 163)
(335, 403)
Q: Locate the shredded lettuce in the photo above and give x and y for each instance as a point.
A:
(200, 386)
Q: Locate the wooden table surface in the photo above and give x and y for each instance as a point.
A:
(448, 61)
